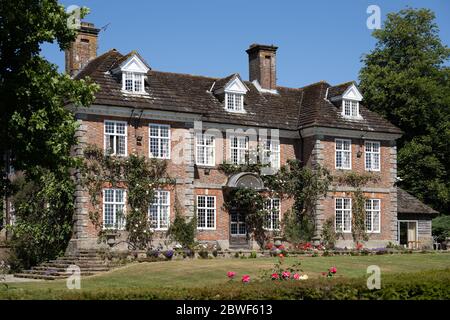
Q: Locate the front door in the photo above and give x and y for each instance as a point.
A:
(408, 234)
(238, 230)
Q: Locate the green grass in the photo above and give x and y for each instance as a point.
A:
(207, 273)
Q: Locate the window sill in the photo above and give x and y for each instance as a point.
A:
(205, 166)
(206, 229)
(135, 93)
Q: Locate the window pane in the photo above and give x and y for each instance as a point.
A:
(376, 221)
(210, 218)
(109, 213)
(120, 148)
(109, 195)
(109, 127)
(201, 218)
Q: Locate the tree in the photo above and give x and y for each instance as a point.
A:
(404, 78)
(36, 129)
(35, 126)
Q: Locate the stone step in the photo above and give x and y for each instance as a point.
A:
(37, 276)
(80, 258)
(50, 272)
(65, 265)
(59, 269)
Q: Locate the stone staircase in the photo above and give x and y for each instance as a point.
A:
(90, 263)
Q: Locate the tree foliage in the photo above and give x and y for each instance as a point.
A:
(405, 79)
(36, 128)
(44, 210)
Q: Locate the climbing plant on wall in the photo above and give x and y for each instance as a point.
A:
(138, 175)
(306, 186)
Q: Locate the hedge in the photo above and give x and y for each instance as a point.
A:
(421, 285)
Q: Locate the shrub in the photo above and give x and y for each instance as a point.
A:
(181, 230)
(441, 228)
(203, 254)
(168, 254)
(253, 255)
(427, 285)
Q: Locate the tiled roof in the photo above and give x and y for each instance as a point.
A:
(291, 108)
(339, 89)
(406, 203)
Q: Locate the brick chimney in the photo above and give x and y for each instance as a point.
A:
(83, 49)
(262, 65)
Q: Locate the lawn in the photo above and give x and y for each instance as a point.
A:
(202, 273)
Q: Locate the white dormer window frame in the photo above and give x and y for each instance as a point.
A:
(234, 101)
(350, 108)
(133, 82)
(350, 100)
(133, 71)
(234, 94)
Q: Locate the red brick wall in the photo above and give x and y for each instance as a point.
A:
(358, 164)
(95, 135)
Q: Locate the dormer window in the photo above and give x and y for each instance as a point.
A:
(350, 108)
(231, 92)
(234, 102)
(133, 82)
(133, 71)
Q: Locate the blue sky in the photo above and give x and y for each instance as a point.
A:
(317, 40)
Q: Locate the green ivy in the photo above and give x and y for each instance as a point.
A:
(181, 230)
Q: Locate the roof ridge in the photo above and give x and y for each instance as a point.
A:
(186, 74)
(340, 84)
(314, 84)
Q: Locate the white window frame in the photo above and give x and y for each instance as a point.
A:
(269, 226)
(271, 154)
(371, 155)
(353, 108)
(343, 210)
(159, 139)
(115, 204)
(135, 77)
(234, 107)
(115, 135)
(159, 205)
(206, 208)
(342, 142)
(371, 210)
(238, 148)
(202, 137)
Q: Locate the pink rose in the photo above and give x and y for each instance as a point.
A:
(245, 278)
(333, 270)
(231, 274)
(275, 276)
(296, 276)
(285, 274)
